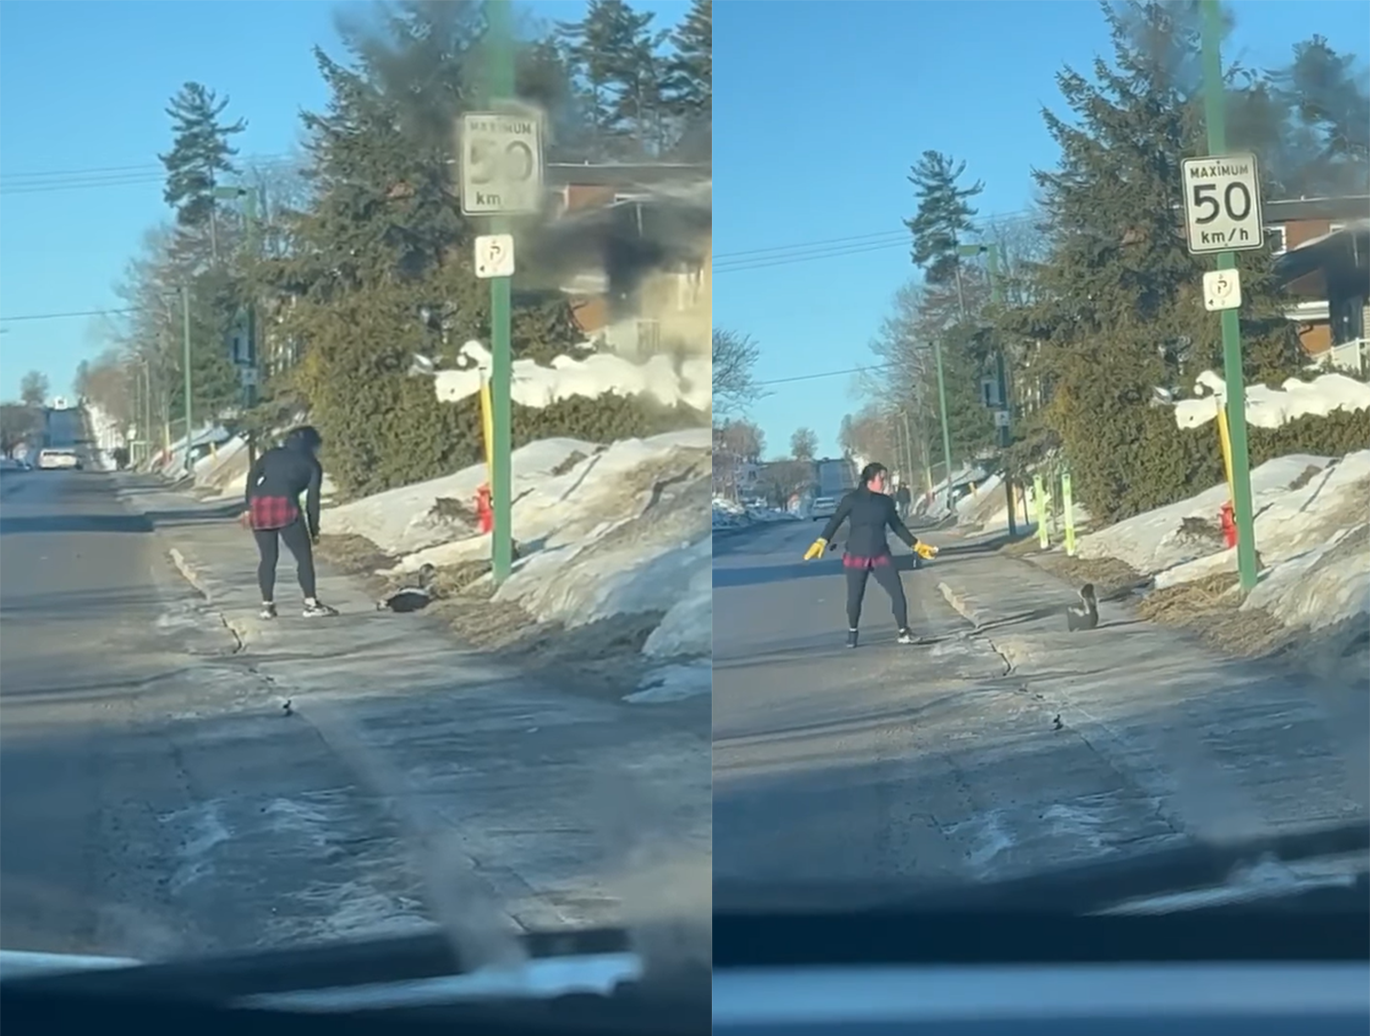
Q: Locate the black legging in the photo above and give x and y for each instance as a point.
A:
(888, 578)
(297, 540)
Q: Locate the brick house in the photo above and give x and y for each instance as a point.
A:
(631, 246)
(1321, 248)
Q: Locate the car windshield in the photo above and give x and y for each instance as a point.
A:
(364, 345)
(1091, 314)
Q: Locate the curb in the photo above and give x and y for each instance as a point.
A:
(966, 608)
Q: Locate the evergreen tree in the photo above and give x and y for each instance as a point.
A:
(200, 159)
(687, 87)
(944, 215)
(381, 257)
(1329, 105)
(614, 52)
(1117, 311)
(947, 307)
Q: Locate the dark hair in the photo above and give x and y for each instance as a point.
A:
(871, 471)
(303, 438)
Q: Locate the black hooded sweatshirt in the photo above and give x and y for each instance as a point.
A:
(870, 515)
(283, 474)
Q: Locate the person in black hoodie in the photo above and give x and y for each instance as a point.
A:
(272, 499)
(870, 513)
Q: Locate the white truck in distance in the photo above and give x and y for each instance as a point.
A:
(834, 478)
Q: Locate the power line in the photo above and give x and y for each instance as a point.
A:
(829, 253)
(812, 244)
(112, 176)
(73, 313)
(834, 248)
(827, 374)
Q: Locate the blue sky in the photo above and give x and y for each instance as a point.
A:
(83, 89)
(822, 108)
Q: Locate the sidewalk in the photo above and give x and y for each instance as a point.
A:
(549, 796)
(1226, 748)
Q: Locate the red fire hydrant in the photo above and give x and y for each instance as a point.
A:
(485, 521)
(1228, 525)
(484, 509)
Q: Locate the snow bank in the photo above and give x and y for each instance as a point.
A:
(1168, 536)
(591, 376)
(1272, 408)
(726, 514)
(1311, 532)
(1320, 587)
(603, 531)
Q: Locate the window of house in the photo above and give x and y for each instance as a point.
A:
(690, 278)
(1278, 237)
(646, 337)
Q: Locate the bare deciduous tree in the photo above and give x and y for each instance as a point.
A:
(733, 356)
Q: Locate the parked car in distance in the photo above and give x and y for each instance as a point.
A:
(58, 460)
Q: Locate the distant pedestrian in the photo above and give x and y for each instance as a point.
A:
(870, 513)
(903, 498)
(272, 498)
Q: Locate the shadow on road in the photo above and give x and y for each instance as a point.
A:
(77, 523)
(196, 515)
(759, 575)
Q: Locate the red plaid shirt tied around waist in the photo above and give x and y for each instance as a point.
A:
(850, 561)
(272, 512)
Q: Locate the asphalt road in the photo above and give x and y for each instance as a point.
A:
(889, 765)
(130, 742)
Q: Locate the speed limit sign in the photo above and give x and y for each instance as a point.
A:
(502, 166)
(1221, 204)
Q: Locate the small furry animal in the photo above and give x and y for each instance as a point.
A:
(411, 598)
(1083, 616)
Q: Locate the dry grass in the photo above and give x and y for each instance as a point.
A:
(1210, 607)
(354, 556)
(1111, 577)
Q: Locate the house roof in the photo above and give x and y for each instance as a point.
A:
(624, 174)
(1346, 250)
(1290, 210)
(646, 228)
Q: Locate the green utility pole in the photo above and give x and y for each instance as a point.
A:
(502, 86)
(1004, 434)
(944, 419)
(1214, 98)
(147, 416)
(186, 362)
(250, 386)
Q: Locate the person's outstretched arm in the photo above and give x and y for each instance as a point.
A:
(838, 518)
(895, 523)
(831, 527)
(312, 499)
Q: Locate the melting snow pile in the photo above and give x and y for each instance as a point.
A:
(603, 531)
(1272, 408)
(660, 378)
(1311, 531)
(726, 514)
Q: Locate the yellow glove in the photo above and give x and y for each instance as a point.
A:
(814, 551)
(926, 550)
